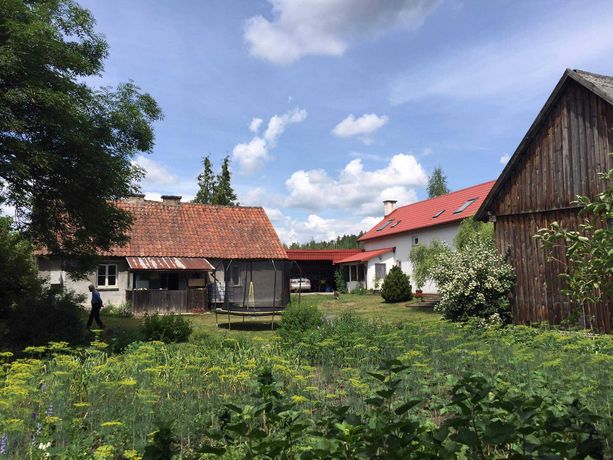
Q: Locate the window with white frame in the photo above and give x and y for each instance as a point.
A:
(107, 275)
(380, 271)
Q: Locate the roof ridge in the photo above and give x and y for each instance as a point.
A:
(184, 203)
(445, 195)
(579, 71)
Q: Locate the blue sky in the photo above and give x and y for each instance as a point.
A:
(358, 100)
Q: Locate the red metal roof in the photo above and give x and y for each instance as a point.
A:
(169, 263)
(365, 256)
(198, 230)
(320, 254)
(421, 214)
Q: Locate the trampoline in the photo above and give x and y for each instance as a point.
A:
(251, 289)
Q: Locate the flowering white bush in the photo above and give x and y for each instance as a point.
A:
(474, 282)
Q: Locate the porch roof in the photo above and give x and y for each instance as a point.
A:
(365, 256)
(169, 263)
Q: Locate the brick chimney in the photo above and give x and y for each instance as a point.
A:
(171, 199)
(389, 206)
(136, 198)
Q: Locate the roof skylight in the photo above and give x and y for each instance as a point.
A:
(465, 205)
(395, 223)
(438, 213)
(385, 225)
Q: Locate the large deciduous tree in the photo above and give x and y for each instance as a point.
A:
(437, 183)
(207, 183)
(65, 146)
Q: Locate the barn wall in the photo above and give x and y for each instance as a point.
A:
(560, 162)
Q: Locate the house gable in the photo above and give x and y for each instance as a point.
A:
(563, 151)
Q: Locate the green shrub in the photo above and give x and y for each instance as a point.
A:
(297, 319)
(396, 286)
(123, 310)
(423, 258)
(359, 289)
(168, 328)
(474, 282)
(46, 315)
(339, 281)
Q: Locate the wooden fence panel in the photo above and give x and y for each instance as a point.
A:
(164, 302)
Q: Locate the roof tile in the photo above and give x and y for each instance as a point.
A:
(421, 214)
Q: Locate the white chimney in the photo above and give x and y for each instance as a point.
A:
(389, 206)
(171, 199)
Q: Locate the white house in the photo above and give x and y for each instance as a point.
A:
(389, 242)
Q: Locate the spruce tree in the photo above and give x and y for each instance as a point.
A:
(437, 183)
(224, 193)
(206, 183)
(396, 286)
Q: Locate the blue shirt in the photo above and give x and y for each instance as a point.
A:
(96, 299)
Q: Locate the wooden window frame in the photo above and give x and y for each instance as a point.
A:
(106, 276)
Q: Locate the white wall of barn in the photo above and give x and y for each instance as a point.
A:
(403, 242)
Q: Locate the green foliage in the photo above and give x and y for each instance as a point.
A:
(350, 388)
(359, 289)
(65, 147)
(423, 259)
(437, 183)
(586, 254)
(339, 281)
(396, 286)
(482, 420)
(474, 282)
(46, 314)
(123, 310)
(223, 193)
(163, 445)
(297, 319)
(207, 183)
(471, 229)
(341, 242)
(167, 328)
(17, 267)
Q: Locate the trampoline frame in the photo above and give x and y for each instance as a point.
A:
(245, 311)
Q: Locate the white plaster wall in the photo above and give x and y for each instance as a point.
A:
(403, 242)
(50, 269)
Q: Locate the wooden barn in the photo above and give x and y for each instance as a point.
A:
(559, 158)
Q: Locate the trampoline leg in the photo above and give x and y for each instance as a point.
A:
(216, 323)
(243, 320)
(272, 322)
(229, 321)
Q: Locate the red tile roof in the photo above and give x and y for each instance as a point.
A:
(197, 230)
(365, 256)
(320, 254)
(421, 214)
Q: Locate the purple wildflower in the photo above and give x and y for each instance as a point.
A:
(3, 444)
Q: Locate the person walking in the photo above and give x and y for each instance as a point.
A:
(96, 306)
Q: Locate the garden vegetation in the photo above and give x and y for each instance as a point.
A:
(323, 389)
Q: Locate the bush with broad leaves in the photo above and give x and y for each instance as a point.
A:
(474, 282)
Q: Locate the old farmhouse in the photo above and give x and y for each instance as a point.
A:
(390, 241)
(559, 158)
(185, 257)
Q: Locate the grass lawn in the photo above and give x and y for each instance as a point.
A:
(365, 306)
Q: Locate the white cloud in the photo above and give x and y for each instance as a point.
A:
(316, 27)
(525, 63)
(156, 174)
(254, 125)
(160, 180)
(251, 155)
(504, 159)
(361, 126)
(357, 189)
(317, 228)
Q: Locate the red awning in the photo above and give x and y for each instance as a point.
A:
(169, 263)
(365, 256)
